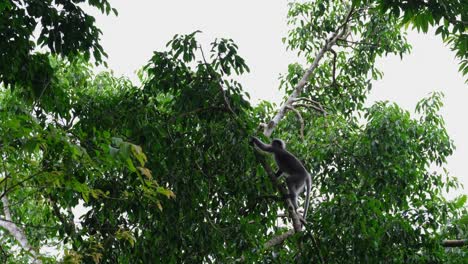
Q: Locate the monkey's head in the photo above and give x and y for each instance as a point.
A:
(278, 143)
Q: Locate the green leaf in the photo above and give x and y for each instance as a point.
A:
(165, 192)
(460, 201)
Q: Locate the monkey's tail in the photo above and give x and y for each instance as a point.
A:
(308, 183)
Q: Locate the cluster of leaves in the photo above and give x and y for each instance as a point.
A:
(193, 122)
(50, 166)
(449, 16)
(64, 28)
(382, 170)
(342, 81)
(458, 229)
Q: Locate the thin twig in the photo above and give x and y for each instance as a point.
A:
(314, 104)
(318, 249)
(203, 54)
(308, 106)
(223, 92)
(66, 223)
(19, 183)
(359, 43)
(226, 101)
(301, 120)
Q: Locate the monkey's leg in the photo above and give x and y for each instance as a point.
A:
(292, 194)
(293, 191)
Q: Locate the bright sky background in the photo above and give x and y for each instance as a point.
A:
(144, 26)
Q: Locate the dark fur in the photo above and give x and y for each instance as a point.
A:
(297, 176)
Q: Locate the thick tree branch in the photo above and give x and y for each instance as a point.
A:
(455, 243)
(15, 231)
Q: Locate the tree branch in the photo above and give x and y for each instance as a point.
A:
(358, 43)
(19, 183)
(279, 239)
(16, 232)
(301, 120)
(455, 243)
(69, 224)
(314, 104)
(340, 31)
(288, 105)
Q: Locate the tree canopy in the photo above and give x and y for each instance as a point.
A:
(96, 169)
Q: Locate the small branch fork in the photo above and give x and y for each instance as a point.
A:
(314, 105)
(317, 106)
(299, 116)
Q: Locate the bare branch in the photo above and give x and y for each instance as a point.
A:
(455, 243)
(308, 106)
(301, 120)
(314, 104)
(279, 239)
(226, 101)
(202, 54)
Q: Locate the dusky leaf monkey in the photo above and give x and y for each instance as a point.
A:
(297, 176)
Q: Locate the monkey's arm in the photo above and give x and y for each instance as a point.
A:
(261, 145)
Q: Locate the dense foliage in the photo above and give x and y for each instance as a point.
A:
(97, 170)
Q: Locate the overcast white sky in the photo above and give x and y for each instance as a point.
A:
(144, 26)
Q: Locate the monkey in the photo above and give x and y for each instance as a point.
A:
(297, 176)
